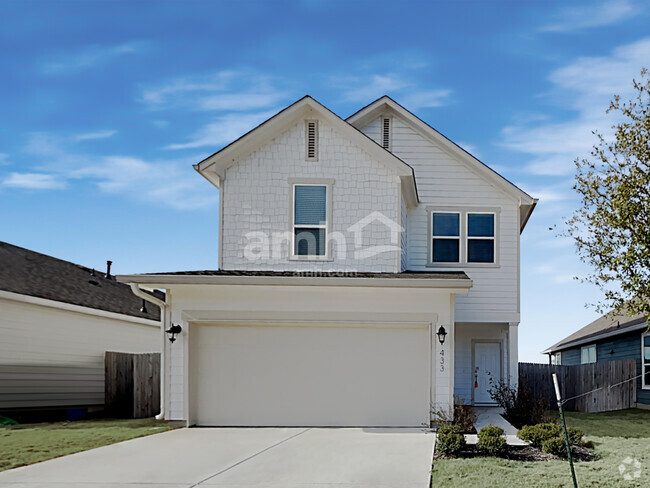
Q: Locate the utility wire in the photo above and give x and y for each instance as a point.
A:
(597, 389)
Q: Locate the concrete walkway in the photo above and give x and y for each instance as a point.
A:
(244, 458)
(492, 415)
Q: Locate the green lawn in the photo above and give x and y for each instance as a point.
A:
(615, 435)
(31, 443)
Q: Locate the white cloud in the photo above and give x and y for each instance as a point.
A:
(33, 181)
(4, 159)
(102, 134)
(425, 99)
(88, 57)
(373, 88)
(403, 89)
(166, 182)
(224, 91)
(585, 87)
(571, 18)
(224, 129)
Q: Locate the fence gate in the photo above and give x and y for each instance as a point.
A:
(132, 386)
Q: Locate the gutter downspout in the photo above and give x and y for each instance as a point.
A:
(135, 288)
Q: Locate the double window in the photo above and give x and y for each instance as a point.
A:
(645, 360)
(588, 354)
(310, 220)
(463, 237)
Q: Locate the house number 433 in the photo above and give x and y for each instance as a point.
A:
(442, 360)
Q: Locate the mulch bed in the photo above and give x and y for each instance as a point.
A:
(526, 453)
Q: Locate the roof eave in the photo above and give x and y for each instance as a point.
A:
(589, 339)
(461, 285)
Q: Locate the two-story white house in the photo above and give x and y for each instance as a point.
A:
(368, 272)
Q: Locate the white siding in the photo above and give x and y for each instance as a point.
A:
(52, 357)
(256, 194)
(444, 181)
(404, 236)
(464, 335)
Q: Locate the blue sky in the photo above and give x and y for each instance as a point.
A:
(105, 106)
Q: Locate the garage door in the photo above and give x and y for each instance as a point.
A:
(306, 375)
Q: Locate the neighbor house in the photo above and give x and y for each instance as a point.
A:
(57, 319)
(609, 338)
(368, 270)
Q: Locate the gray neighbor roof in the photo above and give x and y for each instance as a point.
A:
(610, 324)
(30, 273)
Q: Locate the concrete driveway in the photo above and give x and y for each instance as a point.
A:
(242, 457)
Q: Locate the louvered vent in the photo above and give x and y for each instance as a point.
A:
(385, 132)
(311, 137)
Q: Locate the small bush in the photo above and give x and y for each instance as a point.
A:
(464, 416)
(555, 446)
(575, 436)
(491, 441)
(537, 434)
(520, 407)
(450, 440)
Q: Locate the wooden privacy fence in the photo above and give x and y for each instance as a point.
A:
(599, 387)
(132, 386)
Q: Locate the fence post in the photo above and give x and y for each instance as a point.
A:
(566, 435)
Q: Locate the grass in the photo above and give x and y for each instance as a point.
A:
(25, 444)
(615, 436)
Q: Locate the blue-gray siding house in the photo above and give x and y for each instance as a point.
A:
(609, 338)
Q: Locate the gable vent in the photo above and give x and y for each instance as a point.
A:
(311, 137)
(385, 133)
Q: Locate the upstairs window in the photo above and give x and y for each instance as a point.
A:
(480, 237)
(311, 140)
(309, 220)
(588, 354)
(645, 358)
(445, 246)
(385, 133)
(460, 236)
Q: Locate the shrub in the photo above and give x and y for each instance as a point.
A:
(575, 436)
(491, 441)
(450, 440)
(537, 434)
(555, 446)
(464, 416)
(520, 407)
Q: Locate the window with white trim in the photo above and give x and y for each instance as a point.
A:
(309, 220)
(645, 361)
(557, 358)
(445, 244)
(462, 237)
(588, 354)
(480, 237)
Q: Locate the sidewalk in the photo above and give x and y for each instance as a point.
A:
(492, 415)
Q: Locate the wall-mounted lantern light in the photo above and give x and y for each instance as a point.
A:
(173, 331)
(442, 334)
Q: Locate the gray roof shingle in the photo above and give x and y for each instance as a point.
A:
(30, 273)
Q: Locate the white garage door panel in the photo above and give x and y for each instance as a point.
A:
(307, 375)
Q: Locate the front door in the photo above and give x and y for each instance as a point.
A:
(487, 366)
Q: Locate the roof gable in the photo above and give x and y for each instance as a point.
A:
(387, 106)
(213, 167)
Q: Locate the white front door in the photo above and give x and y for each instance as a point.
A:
(487, 366)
